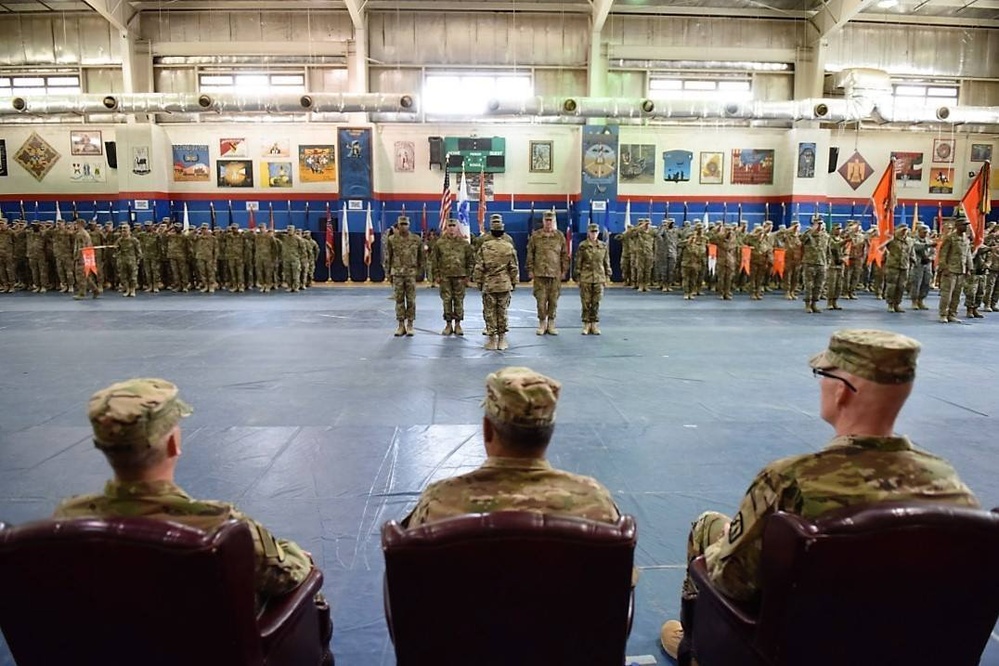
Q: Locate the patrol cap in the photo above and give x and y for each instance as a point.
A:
(290, 228)
(124, 227)
(593, 226)
(166, 219)
(882, 357)
(520, 396)
(960, 221)
(403, 220)
(204, 225)
(549, 215)
(135, 414)
(496, 222)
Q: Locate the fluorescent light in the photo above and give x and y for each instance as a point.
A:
(887, 4)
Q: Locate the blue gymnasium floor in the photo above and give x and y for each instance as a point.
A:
(315, 420)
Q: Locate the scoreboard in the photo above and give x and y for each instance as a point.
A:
(475, 154)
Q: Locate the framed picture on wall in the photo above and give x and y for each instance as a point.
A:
(85, 142)
(981, 152)
(712, 168)
(943, 150)
(541, 157)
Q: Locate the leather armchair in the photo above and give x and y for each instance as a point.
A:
(877, 584)
(509, 588)
(151, 592)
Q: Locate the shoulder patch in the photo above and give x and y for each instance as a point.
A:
(735, 528)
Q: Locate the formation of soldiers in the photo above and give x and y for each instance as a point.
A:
(818, 263)
(47, 256)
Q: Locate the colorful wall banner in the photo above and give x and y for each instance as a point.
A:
(599, 148)
(317, 164)
(676, 165)
(355, 162)
(190, 163)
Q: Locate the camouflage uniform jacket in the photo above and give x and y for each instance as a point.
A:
(206, 247)
(452, 257)
(404, 255)
(496, 268)
(849, 470)
(695, 249)
(547, 255)
(955, 254)
(515, 484)
(281, 565)
(898, 254)
(815, 247)
(128, 248)
(592, 263)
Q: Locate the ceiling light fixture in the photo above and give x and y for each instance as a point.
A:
(887, 4)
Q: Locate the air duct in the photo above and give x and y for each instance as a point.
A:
(607, 107)
(529, 106)
(110, 103)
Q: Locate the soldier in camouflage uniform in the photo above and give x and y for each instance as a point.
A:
(643, 256)
(496, 272)
(815, 257)
(725, 240)
(856, 253)
(62, 248)
(790, 240)
(403, 261)
(205, 257)
(136, 425)
(291, 263)
(21, 272)
(974, 281)
(429, 243)
(7, 271)
(954, 263)
(921, 273)
(865, 378)
(151, 240)
(592, 272)
(667, 248)
(837, 255)
(896, 263)
(991, 297)
(234, 259)
(267, 249)
(517, 428)
(451, 264)
(306, 258)
(84, 280)
(128, 253)
(695, 250)
(760, 257)
(36, 259)
(176, 252)
(547, 264)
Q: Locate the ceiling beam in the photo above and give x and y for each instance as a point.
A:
(834, 14)
(601, 8)
(114, 11)
(356, 10)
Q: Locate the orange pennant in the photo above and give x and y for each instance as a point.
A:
(779, 256)
(875, 255)
(747, 253)
(847, 249)
(712, 251)
(89, 261)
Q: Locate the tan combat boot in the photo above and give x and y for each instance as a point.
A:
(898, 307)
(400, 329)
(447, 329)
(457, 328)
(502, 344)
(586, 328)
(976, 314)
(594, 329)
(491, 343)
(542, 325)
(409, 328)
(551, 327)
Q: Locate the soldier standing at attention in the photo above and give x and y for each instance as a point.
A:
(429, 243)
(837, 253)
(724, 239)
(695, 250)
(547, 264)
(815, 253)
(898, 257)
(644, 253)
(291, 265)
(62, 249)
(974, 287)
(234, 259)
(176, 244)
(496, 272)
(128, 253)
(452, 262)
(403, 261)
(517, 427)
(206, 249)
(991, 295)
(591, 273)
(136, 426)
(266, 249)
(921, 273)
(84, 279)
(7, 277)
(955, 262)
(856, 243)
(666, 253)
(865, 377)
(36, 259)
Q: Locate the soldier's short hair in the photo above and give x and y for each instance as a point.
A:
(882, 357)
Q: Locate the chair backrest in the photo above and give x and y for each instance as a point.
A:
(128, 591)
(509, 588)
(888, 583)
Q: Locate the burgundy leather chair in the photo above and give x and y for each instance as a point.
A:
(142, 591)
(878, 584)
(509, 588)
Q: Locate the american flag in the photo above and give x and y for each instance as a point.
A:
(329, 236)
(446, 200)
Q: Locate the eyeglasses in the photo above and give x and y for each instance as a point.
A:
(816, 372)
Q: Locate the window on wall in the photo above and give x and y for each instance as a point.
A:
(721, 89)
(925, 93)
(469, 93)
(39, 84)
(251, 83)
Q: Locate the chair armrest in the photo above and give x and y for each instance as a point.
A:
(280, 610)
(707, 591)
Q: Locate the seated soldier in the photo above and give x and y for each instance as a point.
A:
(865, 378)
(517, 427)
(136, 426)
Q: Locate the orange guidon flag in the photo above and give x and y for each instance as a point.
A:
(876, 254)
(779, 255)
(747, 254)
(89, 262)
(847, 249)
(712, 258)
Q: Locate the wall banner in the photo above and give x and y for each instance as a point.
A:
(355, 162)
(600, 162)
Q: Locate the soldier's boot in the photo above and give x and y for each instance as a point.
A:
(829, 304)
(542, 327)
(594, 329)
(915, 304)
(409, 328)
(491, 343)
(400, 329)
(551, 330)
(42, 290)
(808, 306)
(976, 314)
(952, 318)
(457, 328)
(970, 313)
(944, 319)
(586, 328)
(502, 344)
(448, 330)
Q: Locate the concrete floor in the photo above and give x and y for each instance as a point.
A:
(316, 421)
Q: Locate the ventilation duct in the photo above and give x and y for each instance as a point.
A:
(529, 106)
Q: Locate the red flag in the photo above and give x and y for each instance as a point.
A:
(369, 237)
(780, 254)
(977, 204)
(252, 224)
(875, 253)
(423, 221)
(329, 236)
(89, 261)
(446, 200)
(482, 206)
(883, 203)
(747, 255)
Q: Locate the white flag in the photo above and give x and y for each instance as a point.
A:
(344, 238)
(627, 215)
(58, 211)
(187, 220)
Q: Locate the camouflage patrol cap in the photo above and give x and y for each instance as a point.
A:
(882, 357)
(593, 226)
(496, 222)
(135, 414)
(290, 228)
(549, 215)
(403, 220)
(520, 396)
(451, 222)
